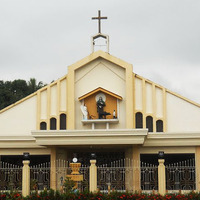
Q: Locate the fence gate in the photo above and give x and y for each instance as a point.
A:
(10, 177)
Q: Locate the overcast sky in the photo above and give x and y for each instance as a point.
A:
(160, 38)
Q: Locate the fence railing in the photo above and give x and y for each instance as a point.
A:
(40, 176)
(149, 176)
(10, 177)
(181, 176)
(119, 176)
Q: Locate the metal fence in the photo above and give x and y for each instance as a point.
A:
(10, 177)
(181, 175)
(40, 176)
(115, 176)
(149, 176)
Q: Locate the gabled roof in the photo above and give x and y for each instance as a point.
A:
(99, 89)
(100, 54)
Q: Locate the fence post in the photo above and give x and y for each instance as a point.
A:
(93, 176)
(26, 178)
(161, 177)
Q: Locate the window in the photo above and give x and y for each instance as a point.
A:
(159, 126)
(63, 122)
(43, 126)
(139, 120)
(149, 123)
(53, 123)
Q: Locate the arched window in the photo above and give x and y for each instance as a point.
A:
(139, 120)
(63, 122)
(53, 123)
(159, 126)
(149, 123)
(43, 126)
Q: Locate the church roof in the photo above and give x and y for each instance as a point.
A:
(99, 89)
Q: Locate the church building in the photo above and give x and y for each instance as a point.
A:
(102, 106)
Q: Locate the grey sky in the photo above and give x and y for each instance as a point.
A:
(161, 38)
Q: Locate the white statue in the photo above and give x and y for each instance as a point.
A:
(84, 111)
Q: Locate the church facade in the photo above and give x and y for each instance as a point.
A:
(101, 106)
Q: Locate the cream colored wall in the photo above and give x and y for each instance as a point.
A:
(138, 94)
(52, 101)
(63, 95)
(43, 105)
(159, 102)
(150, 100)
(20, 119)
(100, 73)
(181, 115)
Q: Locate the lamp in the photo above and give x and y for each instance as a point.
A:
(26, 156)
(74, 159)
(161, 155)
(93, 156)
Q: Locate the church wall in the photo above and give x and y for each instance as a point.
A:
(159, 103)
(63, 95)
(54, 102)
(181, 115)
(100, 73)
(149, 100)
(138, 94)
(19, 120)
(43, 103)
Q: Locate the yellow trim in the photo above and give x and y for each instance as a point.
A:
(96, 55)
(169, 91)
(70, 100)
(99, 89)
(144, 102)
(134, 125)
(18, 102)
(58, 106)
(48, 106)
(154, 106)
(38, 110)
(164, 111)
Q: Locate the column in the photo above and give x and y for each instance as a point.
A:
(161, 177)
(132, 156)
(93, 176)
(197, 168)
(53, 169)
(26, 178)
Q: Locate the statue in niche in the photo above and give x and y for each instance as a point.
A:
(100, 108)
(84, 111)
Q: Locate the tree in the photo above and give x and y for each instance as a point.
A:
(12, 91)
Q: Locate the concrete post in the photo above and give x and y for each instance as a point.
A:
(93, 176)
(161, 177)
(197, 164)
(53, 180)
(26, 178)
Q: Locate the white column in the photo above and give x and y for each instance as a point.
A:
(161, 177)
(93, 176)
(26, 178)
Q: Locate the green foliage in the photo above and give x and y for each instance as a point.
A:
(68, 185)
(12, 91)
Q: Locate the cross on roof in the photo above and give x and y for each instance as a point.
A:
(99, 19)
